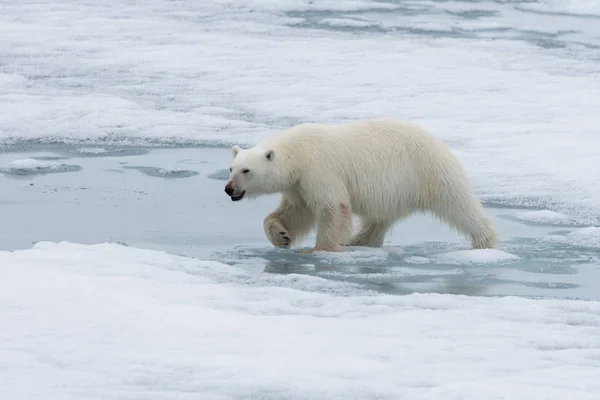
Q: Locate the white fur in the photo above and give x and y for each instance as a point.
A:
(382, 170)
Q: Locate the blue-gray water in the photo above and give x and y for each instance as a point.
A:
(173, 200)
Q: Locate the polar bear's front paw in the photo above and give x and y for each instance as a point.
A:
(278, 235)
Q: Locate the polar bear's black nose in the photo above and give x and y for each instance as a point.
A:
(229, 190)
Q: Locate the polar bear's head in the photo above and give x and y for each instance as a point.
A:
(252, 173)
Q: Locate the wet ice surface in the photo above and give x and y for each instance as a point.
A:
(183, 210)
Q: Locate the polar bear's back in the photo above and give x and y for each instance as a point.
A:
(387, 165)
(354, 139)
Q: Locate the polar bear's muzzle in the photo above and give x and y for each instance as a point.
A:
(231, 192)
(238, 197)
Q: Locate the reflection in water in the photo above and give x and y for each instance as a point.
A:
(542, 268)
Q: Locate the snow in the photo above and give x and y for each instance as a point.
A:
(582, 7)
(30, 163)
(92, 150)
(171, 170)
(114, 322)
(311, 5)
(357, 255)
(31, 166)
(509, 91)
(417, 260)
(543, 217)
(586, 237)
(485, 256)
(346, 22)
(466, 257)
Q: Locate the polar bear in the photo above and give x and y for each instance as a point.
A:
(381, 170)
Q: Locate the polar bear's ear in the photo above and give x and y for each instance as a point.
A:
(270, 154)
(235, 150)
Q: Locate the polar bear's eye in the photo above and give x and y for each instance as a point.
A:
(230, 169)
(246, 171)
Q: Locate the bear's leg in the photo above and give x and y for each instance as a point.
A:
(346, 228)
(333, 222)
(288, 223)
(276, 233)
(467, 216)
(371, 234)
